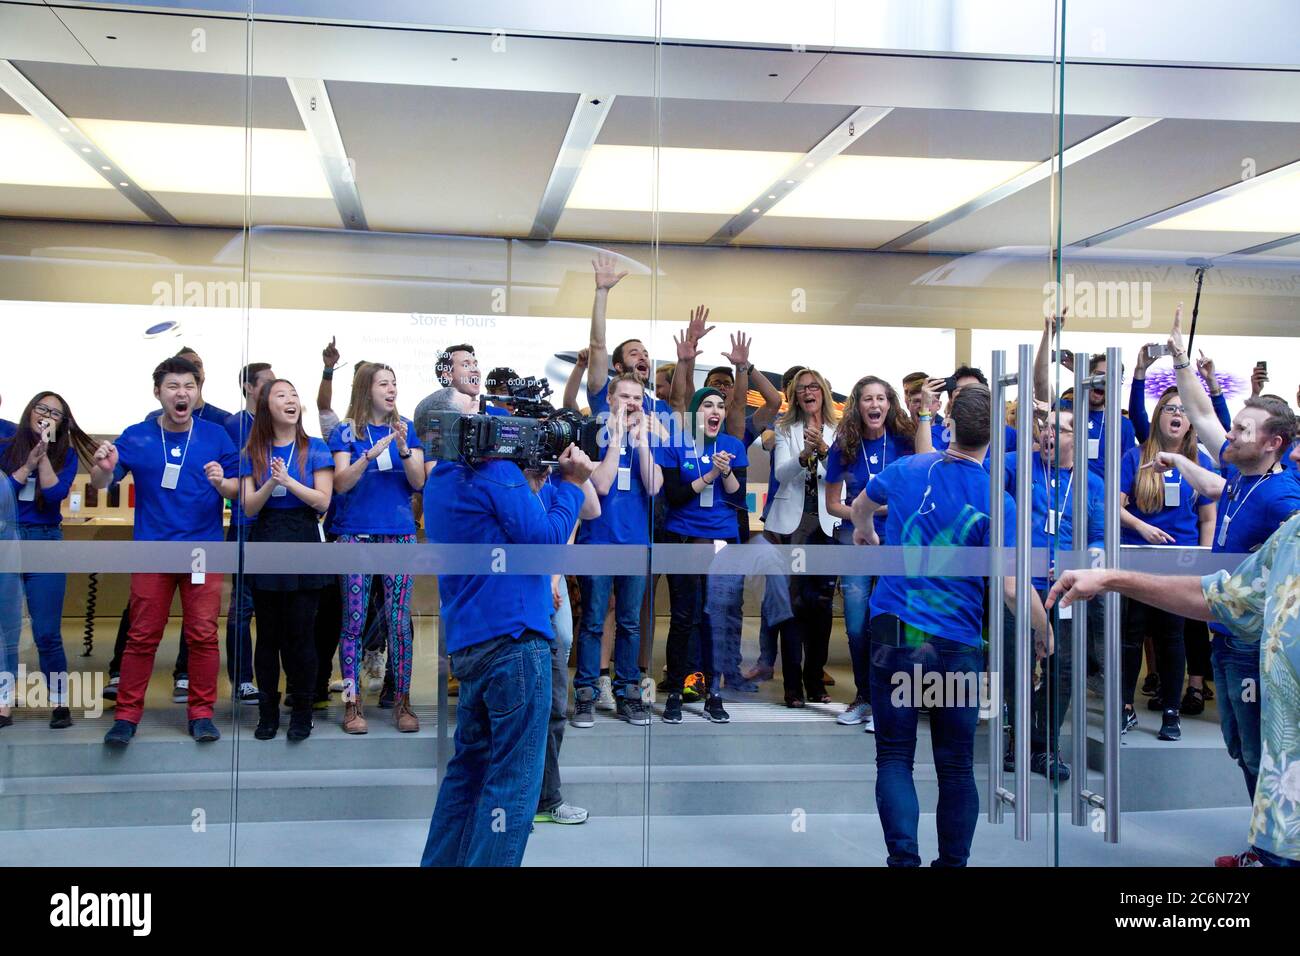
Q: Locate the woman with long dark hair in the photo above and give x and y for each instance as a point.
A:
(41, 462)
(874, 431)
(379, 470)
(288, 482)
(1160, 507)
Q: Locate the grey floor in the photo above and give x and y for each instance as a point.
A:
(1165, 838)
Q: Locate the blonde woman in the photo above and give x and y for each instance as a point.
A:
(1161, 507)
(798, 515)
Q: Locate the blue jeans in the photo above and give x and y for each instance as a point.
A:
(724, 598)
(628, 592)
(857, 603)
(488, 797)
(45, 605)
(562, 622)
(952, 734)
(1233, 662)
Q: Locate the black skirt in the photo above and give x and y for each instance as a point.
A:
(287, 525)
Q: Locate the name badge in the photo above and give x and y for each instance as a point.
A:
(1223, 531)
(279, 491)
(385, 461)
(29, 490)
(198, 577)
(1066, 611)
(1049, 525)
(624, 478)
(320, 529)
(1173, 494)
(706, 497)
(171, 476)
(1094, 448)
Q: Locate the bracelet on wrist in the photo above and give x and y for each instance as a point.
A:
(406, 456)
(1183, 366)
(327, 374)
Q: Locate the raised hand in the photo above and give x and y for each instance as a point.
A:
(1205, 366)
(739, 354)
(697, 328)
(1176, 345)
(1258, 379)
(687, 350)
(581, 360)
(606, 269)
(214, 473)
(1144, 359)
(106, 456)
(330, 354)
(575, 466)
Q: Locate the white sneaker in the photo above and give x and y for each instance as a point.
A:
(604, 695)
(564, 813)
(857, 712)
(180, 691)
(870, 723)
(248, 694)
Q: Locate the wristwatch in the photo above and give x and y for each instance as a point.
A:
(747, 368)
(406, 456)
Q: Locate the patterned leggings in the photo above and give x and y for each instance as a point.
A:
(397, 606)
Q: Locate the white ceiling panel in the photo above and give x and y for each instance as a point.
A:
(1194, 242)
(719, 124)
(821, 233)
(30, 30)
(62, 202)
(634, 226)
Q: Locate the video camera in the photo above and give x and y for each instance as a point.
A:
(534, 434)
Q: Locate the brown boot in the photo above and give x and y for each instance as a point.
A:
(354, 721)
(404, 717)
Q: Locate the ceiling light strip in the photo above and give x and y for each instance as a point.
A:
(1082, 150)
(584, 126)
(1267, 246)
(313, 102)
(1205, 200)
(29, 97)
(837, 141)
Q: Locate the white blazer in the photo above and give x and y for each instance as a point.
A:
(787, 505)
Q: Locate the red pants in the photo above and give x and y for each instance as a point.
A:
(151, 603)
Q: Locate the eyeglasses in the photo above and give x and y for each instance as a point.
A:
(812, 387)
(46, 412)
(1174, 409)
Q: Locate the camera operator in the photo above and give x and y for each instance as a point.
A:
(935, 625)
(499, 635)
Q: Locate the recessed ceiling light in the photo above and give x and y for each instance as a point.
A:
(123, 185)
(810, 165)
(716, 181)
(1270, 206)
(755, 209)
(789, 182)
(106, 168)
(903, 188)
(64, 129)
(85, 149)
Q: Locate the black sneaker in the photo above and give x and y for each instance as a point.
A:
(1193, 701)
(1170, 728)
(673, 709)
(61, 718)
(584, 702)
(633, 711)
(1156, 703)
(713, 710)
(1042, 763)
(1127, 721)
(120, 734)
(1151, 686)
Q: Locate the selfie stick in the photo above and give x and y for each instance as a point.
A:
(1201, 265)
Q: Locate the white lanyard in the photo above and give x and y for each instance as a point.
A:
(163, 437)
(885, 455)
(1229, 515)
(1051, 484)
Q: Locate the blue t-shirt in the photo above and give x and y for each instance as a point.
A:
(1180, 521)
(599, 402)
(936, 501)
(7, 428)
(693, 519)
(318, 458)
(238, 427)
(872, 457)
(380, 503)
(491, 503)
(1044, 489)
(1097, 429)
(44, 507)
(192, 511)
(1253, 507)
(206, 413)
(939, 429)
(624, 515)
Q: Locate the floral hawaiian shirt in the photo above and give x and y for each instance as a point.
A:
(1260, 601)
